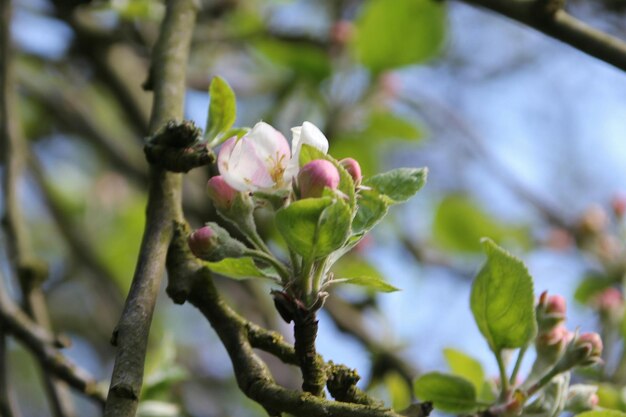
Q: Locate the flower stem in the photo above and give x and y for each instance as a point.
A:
(504, 380)
(518, 363)
(317, 278)
(272, 261)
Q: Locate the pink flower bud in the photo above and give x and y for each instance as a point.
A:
(353, 168)
(619, 205)
(315, 176)
(557, 335)
(221, 194)
(593, 342)
(610, 299)
(555, 304)
(202, 241)
(594, 220)
(550, 311)
(341, 32)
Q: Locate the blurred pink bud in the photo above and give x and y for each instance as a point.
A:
(366, 242)
(354, 169)
(609, 300)
(390, 84)
(341, 32)
(202, 241)
(221, 194)
(559, 239)
(619, 205)
(556, 304)
(556, 335)
(594, 343)
(609, 247)
(594, 400)
(315, 176)
(594, 219)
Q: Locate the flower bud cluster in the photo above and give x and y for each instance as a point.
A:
(558, 346)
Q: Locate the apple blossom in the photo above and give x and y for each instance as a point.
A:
(307, 134)
(262, 160)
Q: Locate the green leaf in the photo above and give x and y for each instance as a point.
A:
(373, 283)
(592, 285)
(448, 393)
(603, 413)
(222, 111)
(466, 367)
(610, 396)
(398, 34)
(502, 300)
(371, 208)
(459, 224)
(305, 60)
(399, 390)
(314, 227)
(399, 184)
(309, 153)
(385, 126)
(237, 268)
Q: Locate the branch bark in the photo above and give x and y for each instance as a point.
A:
(561, 25)
(164, 206)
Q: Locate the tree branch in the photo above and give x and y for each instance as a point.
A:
(30, 271)
(541, 15)
(190, 281)
(44, 346)
(164, 206)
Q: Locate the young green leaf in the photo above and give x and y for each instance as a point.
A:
(372, 207)
(314, 227)
(372, 283)
(448, 393)
(333, 228)
(502, 300)
(222, 111)
(399, 184)
(466, 367)
(237, 268)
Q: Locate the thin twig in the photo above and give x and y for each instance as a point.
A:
(28, 270)
(164, 206)
(562, 26)
(45, 347)
(8, 407)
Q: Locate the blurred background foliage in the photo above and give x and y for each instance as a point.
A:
(523, 137)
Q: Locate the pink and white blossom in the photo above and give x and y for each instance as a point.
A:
(262, 160)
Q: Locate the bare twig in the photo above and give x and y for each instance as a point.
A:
(164, 206)
(44, 346)
(7, 404)
(548, 18)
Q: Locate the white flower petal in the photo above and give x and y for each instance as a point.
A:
(307, 134)
(311, 135)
